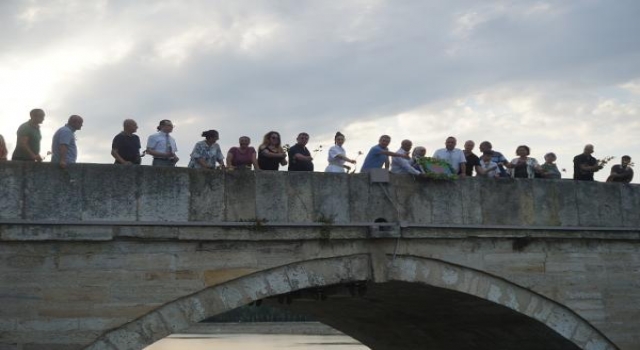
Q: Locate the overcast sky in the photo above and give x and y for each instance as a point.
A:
(552, 75)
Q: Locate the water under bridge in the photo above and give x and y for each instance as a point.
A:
(118, 257)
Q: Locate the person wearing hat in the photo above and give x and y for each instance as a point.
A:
(207, 153)
(162, 146)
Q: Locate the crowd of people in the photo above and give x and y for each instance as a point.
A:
(271, 154)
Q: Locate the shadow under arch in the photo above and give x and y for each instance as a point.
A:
(406, 279)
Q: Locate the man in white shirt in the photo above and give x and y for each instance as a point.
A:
(401, 165)
(454, 156)
(162, 146)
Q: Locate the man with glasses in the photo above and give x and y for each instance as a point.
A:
(162, 146)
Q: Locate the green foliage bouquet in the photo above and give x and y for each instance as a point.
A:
(435, 168)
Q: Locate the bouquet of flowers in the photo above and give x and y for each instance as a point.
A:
(602, 162)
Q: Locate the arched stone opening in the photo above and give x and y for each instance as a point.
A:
(418, 302)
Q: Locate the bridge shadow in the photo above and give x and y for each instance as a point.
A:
(409, 303)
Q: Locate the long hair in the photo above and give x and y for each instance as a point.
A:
(267, 137)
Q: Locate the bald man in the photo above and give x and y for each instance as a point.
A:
(63, 146)
(125, 147)
(584, 165)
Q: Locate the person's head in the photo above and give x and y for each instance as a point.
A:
(302, 138)
(37, 116)
(450, 143)
(469, 145)
(130, 126)
(338, 139)
(523, 151)
(487, 156)
(384, 141)
(272, 138)
(550, 158)
(75, 122)
(406, 145)
(485, 146)
(165, 126)
(625, 160)
(419, 152)
(588, 149)
(211, 136)
(244, 141)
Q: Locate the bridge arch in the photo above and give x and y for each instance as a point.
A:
(402, 275)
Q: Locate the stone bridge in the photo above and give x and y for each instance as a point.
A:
(118, 257)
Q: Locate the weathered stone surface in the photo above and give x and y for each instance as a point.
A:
(105, 200)
(331, 198)
(48, 188)
(101, 266)
(240, 191)
(163, 194)
(272, 199)
(11, 192)
(207, 190)
(300, 194)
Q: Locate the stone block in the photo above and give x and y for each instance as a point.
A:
(630, 202)
(300, 194)
(207, 194)
(555, 203)
(11, 190)
(598, 204)
(272, 197)
(470, 199)
(497, 195)
(49, 188)
(331, 197)
(240, 192)
(109, 192)
(219, 276)
(163, 194)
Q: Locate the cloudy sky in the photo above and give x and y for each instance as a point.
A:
(553, 75)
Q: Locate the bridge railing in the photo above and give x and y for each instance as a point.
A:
(143, 194)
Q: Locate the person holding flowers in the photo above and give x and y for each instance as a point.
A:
(523, 167)
(585, 165)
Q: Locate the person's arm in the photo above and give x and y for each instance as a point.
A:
(63, 149)
(219, 156)
(203, 163)
(394, 154)
(254, 161)
(119, 159)
(406, 165)
(301, 157)
(269, 154)
(23, 142)
(592, 168)
(229, 159)
(463, 170)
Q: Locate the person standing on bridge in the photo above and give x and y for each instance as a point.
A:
(498, 158)
(300, 158)
(338, 156)
(207, 153)
(454, 156)
(621, 172)
(585, 165)
(63, 146)
(402, 165)
(28, 143)
(125, 147)
(270, 153)
(378, 155)
(162, 146)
